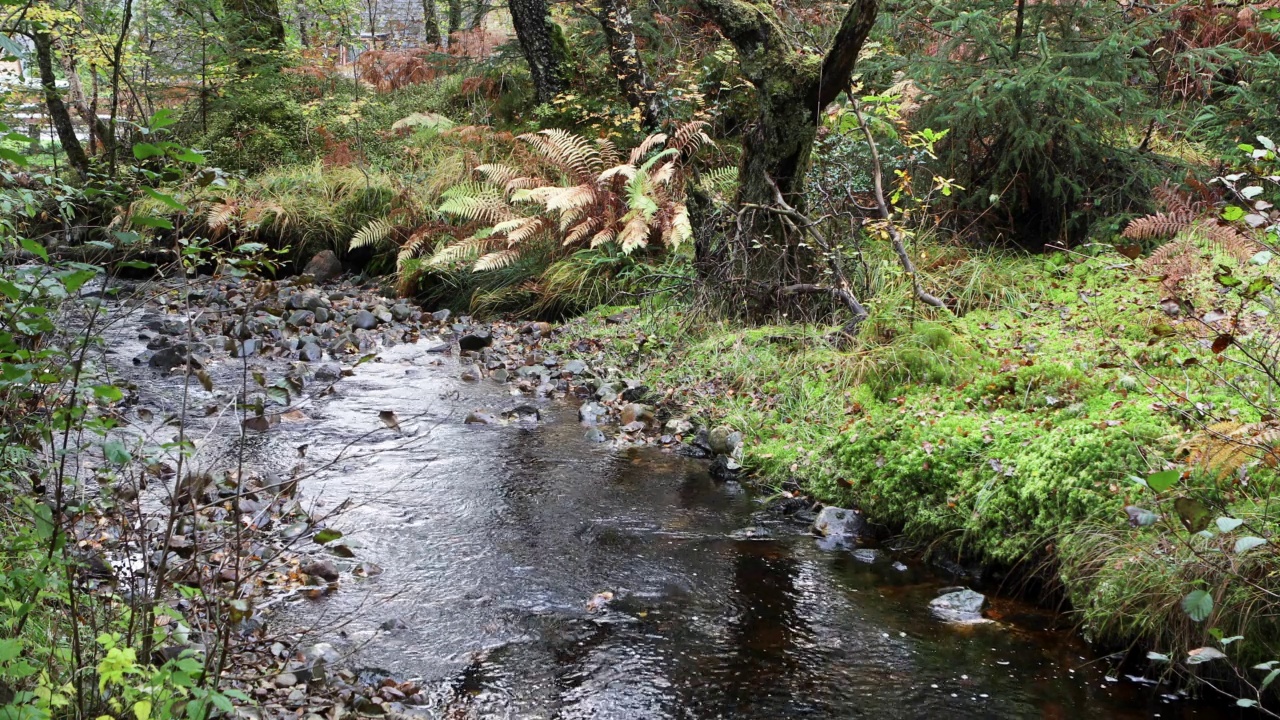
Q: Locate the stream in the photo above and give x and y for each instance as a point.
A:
(494, 539)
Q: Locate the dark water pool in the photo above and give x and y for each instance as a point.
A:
(494, 540)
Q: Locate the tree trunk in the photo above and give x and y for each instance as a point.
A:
(615, 19)
(763, 253)
(481, 12)
(57, 109)
(455, 16)
(256, 30)
(99, 133)
(430, 23)
(541, 42)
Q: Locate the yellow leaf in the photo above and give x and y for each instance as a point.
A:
(142, 709)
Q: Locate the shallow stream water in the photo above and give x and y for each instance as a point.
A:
(493, 540)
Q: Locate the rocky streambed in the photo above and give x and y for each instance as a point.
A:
(476, 527)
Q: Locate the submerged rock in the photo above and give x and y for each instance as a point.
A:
(960, 605)
(834, 522)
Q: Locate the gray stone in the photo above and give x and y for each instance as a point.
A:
(324, 266)
(723, 440)
(383, 314)
(595, 435)
(401, 312)
(323, 569)
(300, 318)
(364, 320)
(311, 352)
(633, 427)
(591, 413)
(286, 680)
(306, 300)
(441, 315)
(871, 556)
(679, 426)
(329, 371)
(475, 341)
(322, 314)
(960, 605)
(834, 522)
(480, 417)
(575, 367)
(500, 375)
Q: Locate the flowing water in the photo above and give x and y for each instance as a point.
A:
(494, 539)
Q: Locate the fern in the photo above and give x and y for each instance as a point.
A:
(1157, 226)
(496, 260)
(376, 233)
(1224, 448)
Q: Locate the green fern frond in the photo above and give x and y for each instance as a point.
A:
(376, 232)
(456, 252)
(496, 260)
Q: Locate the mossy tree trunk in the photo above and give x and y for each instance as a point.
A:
(455, 16)
(614, 17)
(540, 42)
(430, 24)
(256, 31)
(56, 108)
(760, 255)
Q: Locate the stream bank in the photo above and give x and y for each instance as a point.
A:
(516, 566)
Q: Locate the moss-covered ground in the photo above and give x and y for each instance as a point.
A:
(1010, 434)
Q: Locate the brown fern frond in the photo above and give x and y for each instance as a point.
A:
(413, 247)
(571, 153)
(641, 151)
(457, 252)
(1224, 448)
(689, 137)
(219, 215)
(1226, 239)
(496, 260)
(1176, 201)
(1157, 226)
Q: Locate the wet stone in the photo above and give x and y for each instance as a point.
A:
(311, 353)
(364, 320)
(475, 341)
(960, 605)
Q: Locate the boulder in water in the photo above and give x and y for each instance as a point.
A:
(960, 605)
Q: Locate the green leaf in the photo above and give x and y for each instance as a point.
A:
(1246, 702)
(10, 290)
(1232, 213)
(190, 156)
(1227, 524)
(162, 119)
(109, 393)
(10, 649)
(1193, 513)
(326, 536)
(142, 151)
(1163, 480)
(13, 156)
(44, 520)
(1270, 678)
(1247, 543)
(151, 221)
(75, 280)
(35, 248)
(142, 710)
(116, 452)
(127, 238)
(1198, 604)
(169, 200)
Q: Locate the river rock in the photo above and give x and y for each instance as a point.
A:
(299, 318)
(575, 367)
(323, 266)
(322, 314)
(401, 312)
(364, 320)
(329, 371)
(305, 300)
(834, 522)
(591, 413)
(633, 427)
(635, 392)
(960, 605)
(679, 426)
(480, 417)
(441, 315)
(286, 680)
(870, 556)
(595, 435)
(323, 569)
(723, 440)
(754, 532)
(475, 342)
(470, 374)
(500, 375)
(383, 314)
(633, 413)
(311, 352)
